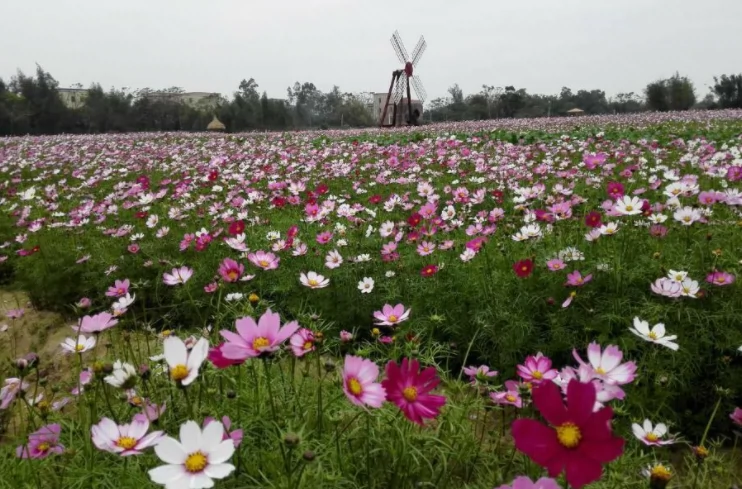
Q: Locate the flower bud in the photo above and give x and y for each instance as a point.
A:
(291, 440)
(308, 456)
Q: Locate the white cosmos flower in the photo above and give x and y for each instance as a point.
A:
(184, 365)
(467, 255)
(333, 259)
(628, 206)
(123, 376)
(313, 280)
(687, 215)
(366, 285)
(656, 334)
(689, 288)
(194, 460)
(80, 345)
(152, 221)
(651, 435)
(609, 228)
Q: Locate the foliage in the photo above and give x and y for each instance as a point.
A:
(675, 93)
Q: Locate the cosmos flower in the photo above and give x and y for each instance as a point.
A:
(391, 315)
(651, 435)
(127, 439)
(655, 335)
(177, 276)
(313, 280)
(409, 388)
(42, 443)
(183, 364)
(254, 339)
(360, 382)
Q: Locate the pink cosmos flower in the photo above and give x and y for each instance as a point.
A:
(720, 278)
(409, 388)
(86, 376)
(127, 439)
(391, 316)
(425, 248)
(346, 336)
(607, 365)
(150, 411)
(96, 324)
(511, 395)
(235, 436)
(216, 357)
(230, 270)
(302, 342)
(177, 276)
(556, 264)
(84, 303)
(255, 339)
(524, 482)
(537, 368)
(667, 287)
(575, 279)
(481, 373)
(736, 416)
(359, 382)
(41, 443)
(324, 237)
(133, 248)
(15, 313)
(119, 288)
(10, 391)
(266, 261)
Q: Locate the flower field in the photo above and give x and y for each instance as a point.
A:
(527, 303)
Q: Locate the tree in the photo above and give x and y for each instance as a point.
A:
(728, 89)
(657, 96)
(681, 92)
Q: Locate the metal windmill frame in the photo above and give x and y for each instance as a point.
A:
(402, 80)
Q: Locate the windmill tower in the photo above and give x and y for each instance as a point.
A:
(401, 82)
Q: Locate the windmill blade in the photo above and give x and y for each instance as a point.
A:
(399, 48)
(399, 90)
(417, 84)
(417, 53)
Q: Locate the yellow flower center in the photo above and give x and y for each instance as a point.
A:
(410, 393)
(253, 298)
(686, 219)
(165, 333)
(569, 435)
(600, 371)
(196, 462)
(232, 275)
(260, 343)
(43, 447)
(354, 386)
(179, 372)
(121, 292)
(537, 375)
(629, 207)
(136, 401)
(312, 282)
(720, 279)
(652, 335)
(651, 437)
(126, 442)
(375, 332)
(79, 347)
(392, 318)
(263, 263)
(308, 345)
(510, 398)
(660, 472)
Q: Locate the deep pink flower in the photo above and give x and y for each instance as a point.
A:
(537, 368)
(41, 443)
(615, 190)
(409, 388)
(230, 270)
(578, 440)
(736, 416)
(575, 279)
(720, 278)
(254, 339)
(360, 382)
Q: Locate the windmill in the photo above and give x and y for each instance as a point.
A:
(402, 79)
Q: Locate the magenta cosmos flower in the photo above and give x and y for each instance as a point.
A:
(607, 365)
(720, 278)
(95, 324)
(266, 261)
(254, 339)
(359, 382)
(537, 368)
(524, 482)
(736, 416)
(126, 439)
(409, 388)
(391, 316)
(41, 443)
(575, 279)
(577, 440)
(177, 276)
(230, 270)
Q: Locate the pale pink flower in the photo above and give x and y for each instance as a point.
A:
(254, 339)
(127, 439)
(391, 316)
(360, 382)
(607, 364)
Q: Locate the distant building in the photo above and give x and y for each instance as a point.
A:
(377, 107)
(74, 98)
(199, 100)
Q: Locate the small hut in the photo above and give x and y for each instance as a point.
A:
(215, 125)
(575, 111)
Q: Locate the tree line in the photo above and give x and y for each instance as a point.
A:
(33, 105)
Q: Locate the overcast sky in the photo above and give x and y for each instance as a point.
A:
(210, 45)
